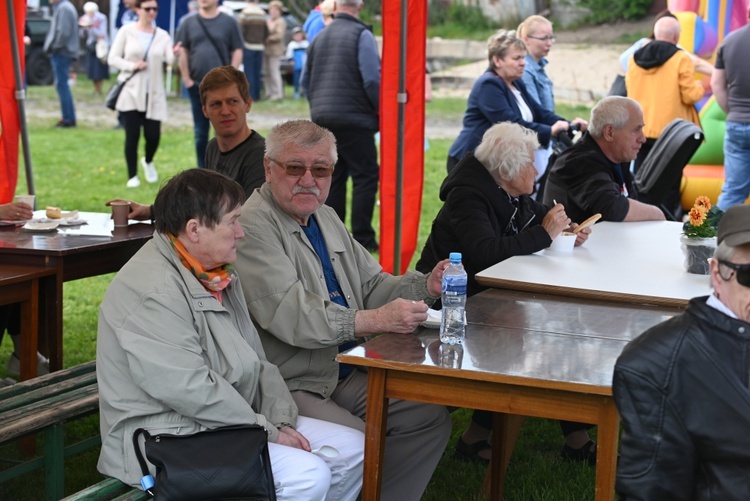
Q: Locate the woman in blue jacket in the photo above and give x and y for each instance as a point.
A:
(499, 95)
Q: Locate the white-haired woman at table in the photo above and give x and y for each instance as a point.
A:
(177, 352)
(488, 216)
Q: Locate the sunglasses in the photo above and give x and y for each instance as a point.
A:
(741, 271)
(298, 170)
(150, 9)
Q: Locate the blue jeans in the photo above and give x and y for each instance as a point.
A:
(200, 125)
(252, 60)
(61, 68)
(296, 77)
(736, 165)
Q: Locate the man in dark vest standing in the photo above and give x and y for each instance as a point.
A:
(342, 83)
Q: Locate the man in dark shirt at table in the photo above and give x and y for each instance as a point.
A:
(237, 150)
(593, 175)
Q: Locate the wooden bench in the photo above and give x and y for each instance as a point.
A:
(44, 404)
(109, 489)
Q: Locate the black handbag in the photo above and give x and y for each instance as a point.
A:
(110, 100)
(225, 463)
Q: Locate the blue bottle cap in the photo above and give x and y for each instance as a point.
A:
(455, 257)
(147, 483)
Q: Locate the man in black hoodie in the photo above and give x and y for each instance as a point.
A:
(661, 79)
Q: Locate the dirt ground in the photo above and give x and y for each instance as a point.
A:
(583, 63)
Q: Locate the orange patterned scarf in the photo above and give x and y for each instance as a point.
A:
(215, 281)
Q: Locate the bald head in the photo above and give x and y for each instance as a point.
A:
(667, 29)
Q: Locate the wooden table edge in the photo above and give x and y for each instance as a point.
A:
(558, 290)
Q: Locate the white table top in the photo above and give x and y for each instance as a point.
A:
(630, 262)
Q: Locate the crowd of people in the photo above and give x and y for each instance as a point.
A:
(235, 311)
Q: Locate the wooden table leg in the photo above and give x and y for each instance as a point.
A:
(505, 430)
(375, 426)
(29, 333)
(51, 324)
(608, 436)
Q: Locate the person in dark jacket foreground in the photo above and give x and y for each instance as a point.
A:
(489, 216)
(682, 389)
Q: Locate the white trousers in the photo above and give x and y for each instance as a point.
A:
(299, 475)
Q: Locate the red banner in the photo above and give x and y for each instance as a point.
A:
(413, 160)
(9, 119)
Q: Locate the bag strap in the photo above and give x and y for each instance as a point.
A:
(145, 56)
(213, 42)
(147, 481)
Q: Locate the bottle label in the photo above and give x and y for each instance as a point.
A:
(453, 286)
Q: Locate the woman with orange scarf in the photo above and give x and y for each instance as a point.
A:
(177, 352)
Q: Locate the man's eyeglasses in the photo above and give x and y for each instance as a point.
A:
(298, 170)
(150, 9)
(741, 271)
(549, 38)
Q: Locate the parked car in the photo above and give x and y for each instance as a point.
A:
(38, 66)
(287, 71)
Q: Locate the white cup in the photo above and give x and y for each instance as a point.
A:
(563, 243)
(26, 199)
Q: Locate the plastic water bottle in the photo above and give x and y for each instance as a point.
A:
(452, 327)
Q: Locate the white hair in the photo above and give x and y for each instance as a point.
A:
(506, 148)
(90, 7)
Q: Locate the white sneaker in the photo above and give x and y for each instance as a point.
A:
(148, 167)
(42, 365)
(133, 182)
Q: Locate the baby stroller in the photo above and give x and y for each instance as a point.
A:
(560, 143)
(658, 179)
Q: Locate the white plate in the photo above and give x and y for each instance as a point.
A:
(39, 227)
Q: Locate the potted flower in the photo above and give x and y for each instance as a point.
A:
(699, 235)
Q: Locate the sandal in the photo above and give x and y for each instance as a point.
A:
(470, 452)
(586, 454)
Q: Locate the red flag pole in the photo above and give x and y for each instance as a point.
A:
(12, 107)
(401, 130)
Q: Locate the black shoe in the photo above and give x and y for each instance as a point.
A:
(470, 452)
(64, 124)
(586, 454)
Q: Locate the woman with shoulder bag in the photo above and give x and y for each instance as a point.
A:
(140, 51)
(178, 355)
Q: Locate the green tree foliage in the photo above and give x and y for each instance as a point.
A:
(607, 11)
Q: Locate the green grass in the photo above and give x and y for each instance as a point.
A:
(84, 167)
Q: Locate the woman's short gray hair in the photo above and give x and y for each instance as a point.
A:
(506, 148)
(500, 42)
(612, 110)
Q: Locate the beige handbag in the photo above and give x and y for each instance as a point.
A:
(102, 49)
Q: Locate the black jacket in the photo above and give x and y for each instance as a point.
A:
(476, 220)
(336, 90)
(682, 391)
(586, 182)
